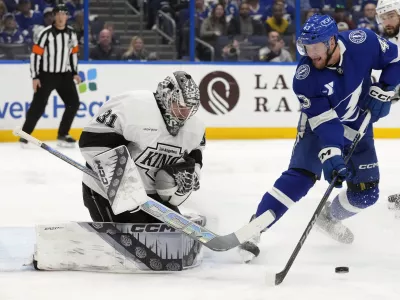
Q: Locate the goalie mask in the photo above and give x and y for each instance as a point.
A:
(178, 97)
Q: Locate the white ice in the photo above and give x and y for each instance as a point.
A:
(38, 188)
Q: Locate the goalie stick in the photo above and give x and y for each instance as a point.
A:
(154, 208)
(279, 277)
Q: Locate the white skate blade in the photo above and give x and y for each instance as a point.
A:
(64, 144)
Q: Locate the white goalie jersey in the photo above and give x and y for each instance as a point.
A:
(133, 119)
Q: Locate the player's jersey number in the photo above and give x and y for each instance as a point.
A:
(107, 118)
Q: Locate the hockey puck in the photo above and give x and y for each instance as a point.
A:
(342, 269)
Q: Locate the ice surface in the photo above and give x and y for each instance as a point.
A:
(38, 188)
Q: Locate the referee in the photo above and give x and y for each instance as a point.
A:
(54, 66)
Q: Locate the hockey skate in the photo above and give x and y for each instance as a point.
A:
(249, 250)
(333, 227)
(24, 143)
(66, 141)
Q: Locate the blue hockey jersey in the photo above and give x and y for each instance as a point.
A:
(333, 98)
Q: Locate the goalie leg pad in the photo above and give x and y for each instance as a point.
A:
(115, 247)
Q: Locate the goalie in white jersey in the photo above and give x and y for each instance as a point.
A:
(161, 133)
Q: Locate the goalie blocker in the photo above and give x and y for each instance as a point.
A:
(115, 247)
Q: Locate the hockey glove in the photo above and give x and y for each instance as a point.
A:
(174, 183)
(378, 101)
(333, 164)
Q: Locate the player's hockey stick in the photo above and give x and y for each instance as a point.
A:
(279, 277)
(154, 208)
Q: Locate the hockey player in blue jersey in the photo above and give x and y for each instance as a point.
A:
(333, 84)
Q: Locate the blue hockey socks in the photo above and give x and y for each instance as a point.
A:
(288, 189)
(349, 203)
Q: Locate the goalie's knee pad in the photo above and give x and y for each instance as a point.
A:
(293, 185)
(353, 200)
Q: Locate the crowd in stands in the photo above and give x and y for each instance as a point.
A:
(226, 30)
(22, 20)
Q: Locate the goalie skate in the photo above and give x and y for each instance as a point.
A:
(333, 227)
(249, 250)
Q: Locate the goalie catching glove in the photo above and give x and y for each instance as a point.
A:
(174, 183)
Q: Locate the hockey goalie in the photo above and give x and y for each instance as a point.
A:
(141, 144)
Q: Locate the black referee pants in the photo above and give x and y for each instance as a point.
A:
(64, 84)
(101, 211)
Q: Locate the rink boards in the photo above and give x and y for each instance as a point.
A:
(237, 101)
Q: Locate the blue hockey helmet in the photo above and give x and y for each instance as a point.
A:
(317, 29)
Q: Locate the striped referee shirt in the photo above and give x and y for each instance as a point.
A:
(55, 51)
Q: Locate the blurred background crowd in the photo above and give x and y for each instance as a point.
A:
(225, 30)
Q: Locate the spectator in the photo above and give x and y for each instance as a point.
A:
(275, 51)
(340, 15)
(202, 12)
(11, 5)
(215, 25)
(96, 25)
(10, 34)
(369, 21)
(104, 49)
(79, 26)
(231, 9)
(310, 12)
(73, 7)
(38, 5)
(342, 26)
(277, 22)
(3, 10)
(304, 4)
(289, 10)
(27, 18)
(48, 21)
(231, 51)
(257, 9)
(136, 50)
(114, 37)
(243, 24)
(48, 16)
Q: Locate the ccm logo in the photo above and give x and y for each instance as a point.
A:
(101, 172)
(379, 96)
(369, 166)
(152, 228)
